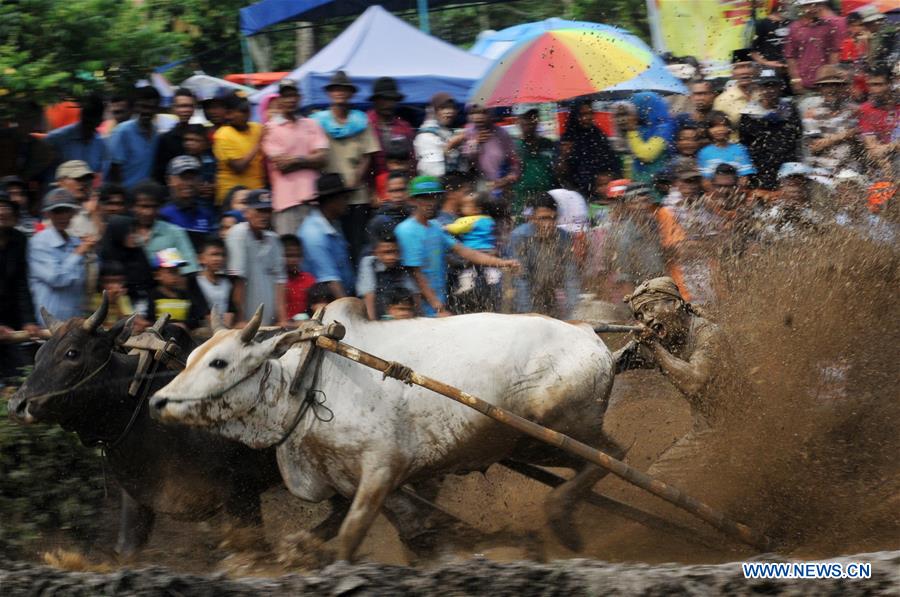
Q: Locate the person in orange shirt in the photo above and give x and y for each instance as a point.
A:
(237, 150)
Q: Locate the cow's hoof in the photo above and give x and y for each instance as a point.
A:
(560, 517)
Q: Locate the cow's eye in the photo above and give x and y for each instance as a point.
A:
(71, 354)
(218, 364)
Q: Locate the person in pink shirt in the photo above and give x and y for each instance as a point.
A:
(813, 41)
(297, 149)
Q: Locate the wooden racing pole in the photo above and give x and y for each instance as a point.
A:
(671, 494)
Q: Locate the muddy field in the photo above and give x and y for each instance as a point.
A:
(811, 462)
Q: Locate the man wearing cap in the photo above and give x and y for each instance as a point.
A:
(56, 259)
(171, 143)
(256, 260)
(692, 352)
(80, 140)
(325, 249)
(829, 123)
(297, 149)
(813, 41)
(434, 155)
(132, 144)
(792, 215)
(770, 128)
(186, 210)
(352, 145)
(424, 246)
(76, 177)
(883, 38)
(384, 120)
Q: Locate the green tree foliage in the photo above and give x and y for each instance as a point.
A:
(51, 49)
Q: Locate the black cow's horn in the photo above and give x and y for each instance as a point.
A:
(249, 332)
(94, 321)
(215, 320)
(51, 322)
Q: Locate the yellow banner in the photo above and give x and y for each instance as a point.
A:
(709, 30)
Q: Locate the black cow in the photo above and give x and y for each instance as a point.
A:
(80, 382)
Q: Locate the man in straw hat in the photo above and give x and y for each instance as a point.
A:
(691, 351)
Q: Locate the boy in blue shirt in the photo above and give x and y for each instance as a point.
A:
(424, 246)
(723, 151)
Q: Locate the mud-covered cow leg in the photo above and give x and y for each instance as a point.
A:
(328, 528)
(374, 487)
(560, 504)
(134, 526)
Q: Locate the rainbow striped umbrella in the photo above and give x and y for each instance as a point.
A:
(570, 60)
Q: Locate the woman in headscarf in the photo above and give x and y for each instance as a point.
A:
(649, 134)
(586, 152)
(120, 245)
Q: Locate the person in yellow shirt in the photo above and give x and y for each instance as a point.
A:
(237, 149)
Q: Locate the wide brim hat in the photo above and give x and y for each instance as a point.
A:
(831, 74)
(340, 79)
(331, 184)
(386, 87)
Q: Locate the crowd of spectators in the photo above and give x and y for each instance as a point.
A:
(474, 211)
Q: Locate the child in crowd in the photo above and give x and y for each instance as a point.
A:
(170, 295)
(229, 220)
(210, 287)
(319, 296)
(114, 282)
(688, 140)
(380, 273)
(722, 150)
(394, 208)
(477, 288)
(196, 144)
(397, 156)
(401, 304)
(299, 282)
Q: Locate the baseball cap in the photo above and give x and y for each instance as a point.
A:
(181, 164)
(768, 76)
(73, 169)
(168, 258)
(793, 169)
(425, 185)
(59, 199)
(617, 188)
(288, 84)
(259, 199)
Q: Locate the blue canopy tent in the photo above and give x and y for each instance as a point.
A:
(266, 13)
(657, 78)
(379, 44)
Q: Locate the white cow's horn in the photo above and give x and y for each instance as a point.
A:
(93, 322)
(249, 332)
(51, 322)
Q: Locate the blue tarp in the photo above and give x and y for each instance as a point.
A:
(260, 15)
(657, 78)
(379, 44)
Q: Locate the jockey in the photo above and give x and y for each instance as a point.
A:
(691, 351)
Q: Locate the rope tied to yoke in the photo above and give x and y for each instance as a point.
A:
(399, 372)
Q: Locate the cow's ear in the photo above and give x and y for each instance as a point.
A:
(120, 332)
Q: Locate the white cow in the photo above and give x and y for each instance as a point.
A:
(385, 434)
